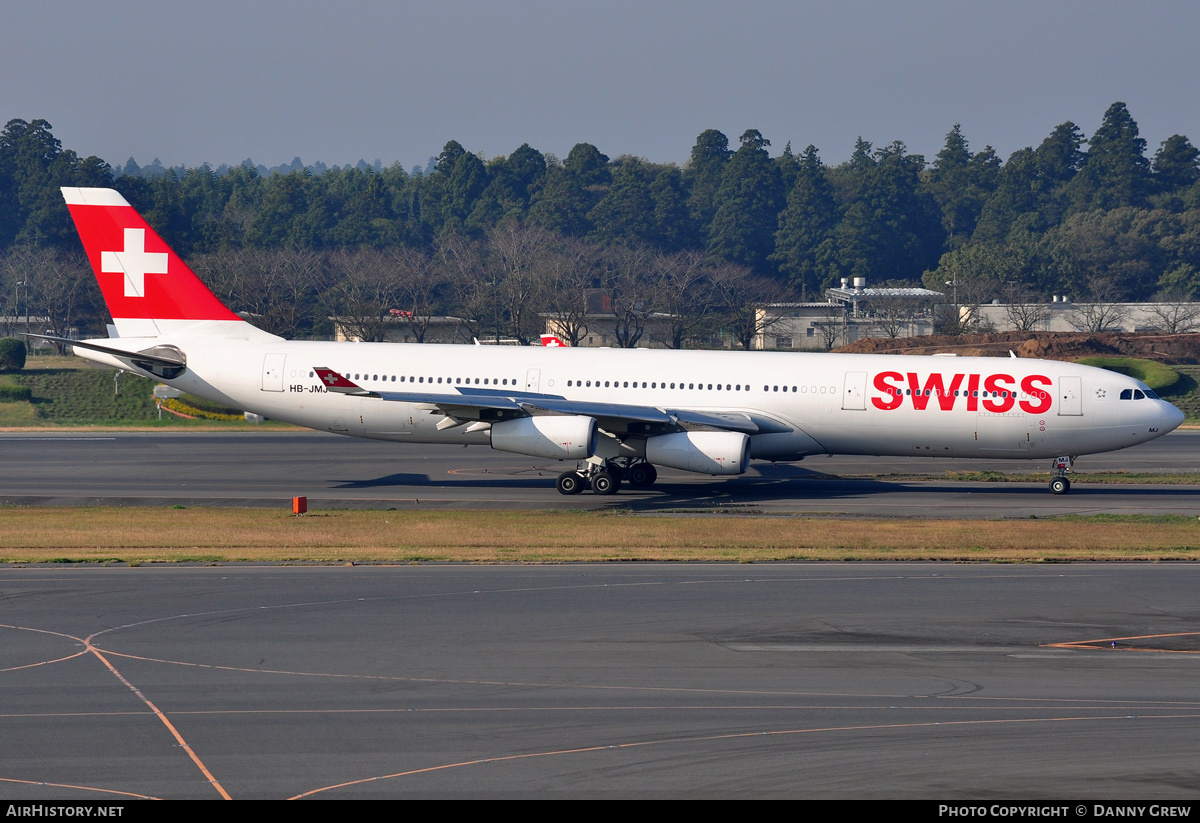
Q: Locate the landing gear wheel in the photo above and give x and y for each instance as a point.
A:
(1060, 485)
(641, 475)
(570, 483)
(604, 482)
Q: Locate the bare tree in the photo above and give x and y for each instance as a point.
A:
(419, 278)
(519, 256)
(1024, 310)
(832, 328)
(570, 274)
(57, 286)
(470, 283)
(630, 291)
(683, 294)
(277, 288)
(1101, 312)
(740, 297)
(364, 294)
(892, 314)
(1174, 314)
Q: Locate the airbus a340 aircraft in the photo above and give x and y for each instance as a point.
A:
(618, 413)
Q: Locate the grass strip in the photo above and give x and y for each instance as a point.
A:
(148, 535)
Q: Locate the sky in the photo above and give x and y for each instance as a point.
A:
(219, 82)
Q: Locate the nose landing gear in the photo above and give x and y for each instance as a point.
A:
(1060, 483)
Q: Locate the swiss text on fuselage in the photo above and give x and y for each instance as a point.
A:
(997, 393)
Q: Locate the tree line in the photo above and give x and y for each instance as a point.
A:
(496, 239)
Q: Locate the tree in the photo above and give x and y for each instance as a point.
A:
(630, 295)
(1175, 165)
(278, 287)
(569, 273)
(571, 191)
(519, 258)
(747, 206)
(58, 286)
(740, 296)
(682, 292)
(892, 314)
(33, 165)
(1115, 171)
(832, 327)
(1174, 314)
(960, 183)
(1015, 195)
(802, 243)
(466, 179)
(1023, 309)
(892, 230)
(1058, 160)
(363, 295)
(703, 175)
(626, 212)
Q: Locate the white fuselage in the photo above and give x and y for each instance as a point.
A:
(810, 403)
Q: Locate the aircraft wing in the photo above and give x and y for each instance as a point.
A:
(467, 403)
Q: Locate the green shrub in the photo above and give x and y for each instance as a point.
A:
(14, 394)
(12, 354)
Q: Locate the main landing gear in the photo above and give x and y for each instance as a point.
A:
(606, 476)
(1060, 483)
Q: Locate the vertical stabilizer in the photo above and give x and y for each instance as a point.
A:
(149, 290)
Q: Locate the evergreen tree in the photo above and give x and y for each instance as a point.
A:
(671, 220)
(803, 240)
(1175, 165)
(892, 231)
(1115, 171)
(626, 212)
(1017, 185)
(961, 183)
(747, 206)
(571, 191)
(702, 175)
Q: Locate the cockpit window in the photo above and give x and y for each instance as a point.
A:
(1137, 395)
(1126, 394)
(1151, 395)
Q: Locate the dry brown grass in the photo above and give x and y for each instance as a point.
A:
(141, 535)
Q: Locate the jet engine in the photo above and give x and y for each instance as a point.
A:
(559, 437)
(703, 452)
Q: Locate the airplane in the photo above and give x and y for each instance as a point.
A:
(617, 413)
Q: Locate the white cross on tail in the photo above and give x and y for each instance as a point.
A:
(134, 262)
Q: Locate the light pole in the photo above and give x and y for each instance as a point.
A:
(957, 311)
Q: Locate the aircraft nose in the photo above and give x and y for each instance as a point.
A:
(1172, 416)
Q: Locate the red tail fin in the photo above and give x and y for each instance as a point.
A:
(141, 278)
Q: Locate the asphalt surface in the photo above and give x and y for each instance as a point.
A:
(268, 469)
(632, 680)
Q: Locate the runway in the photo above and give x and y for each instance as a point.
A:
(268, 469)
(599, 681)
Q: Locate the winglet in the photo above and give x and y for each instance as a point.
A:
(334, 382)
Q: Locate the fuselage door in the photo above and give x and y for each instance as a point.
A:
(272, 378)
(854, 394)
(1070, 396)
(533, 379)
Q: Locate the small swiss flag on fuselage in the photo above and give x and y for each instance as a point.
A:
(138, 273)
